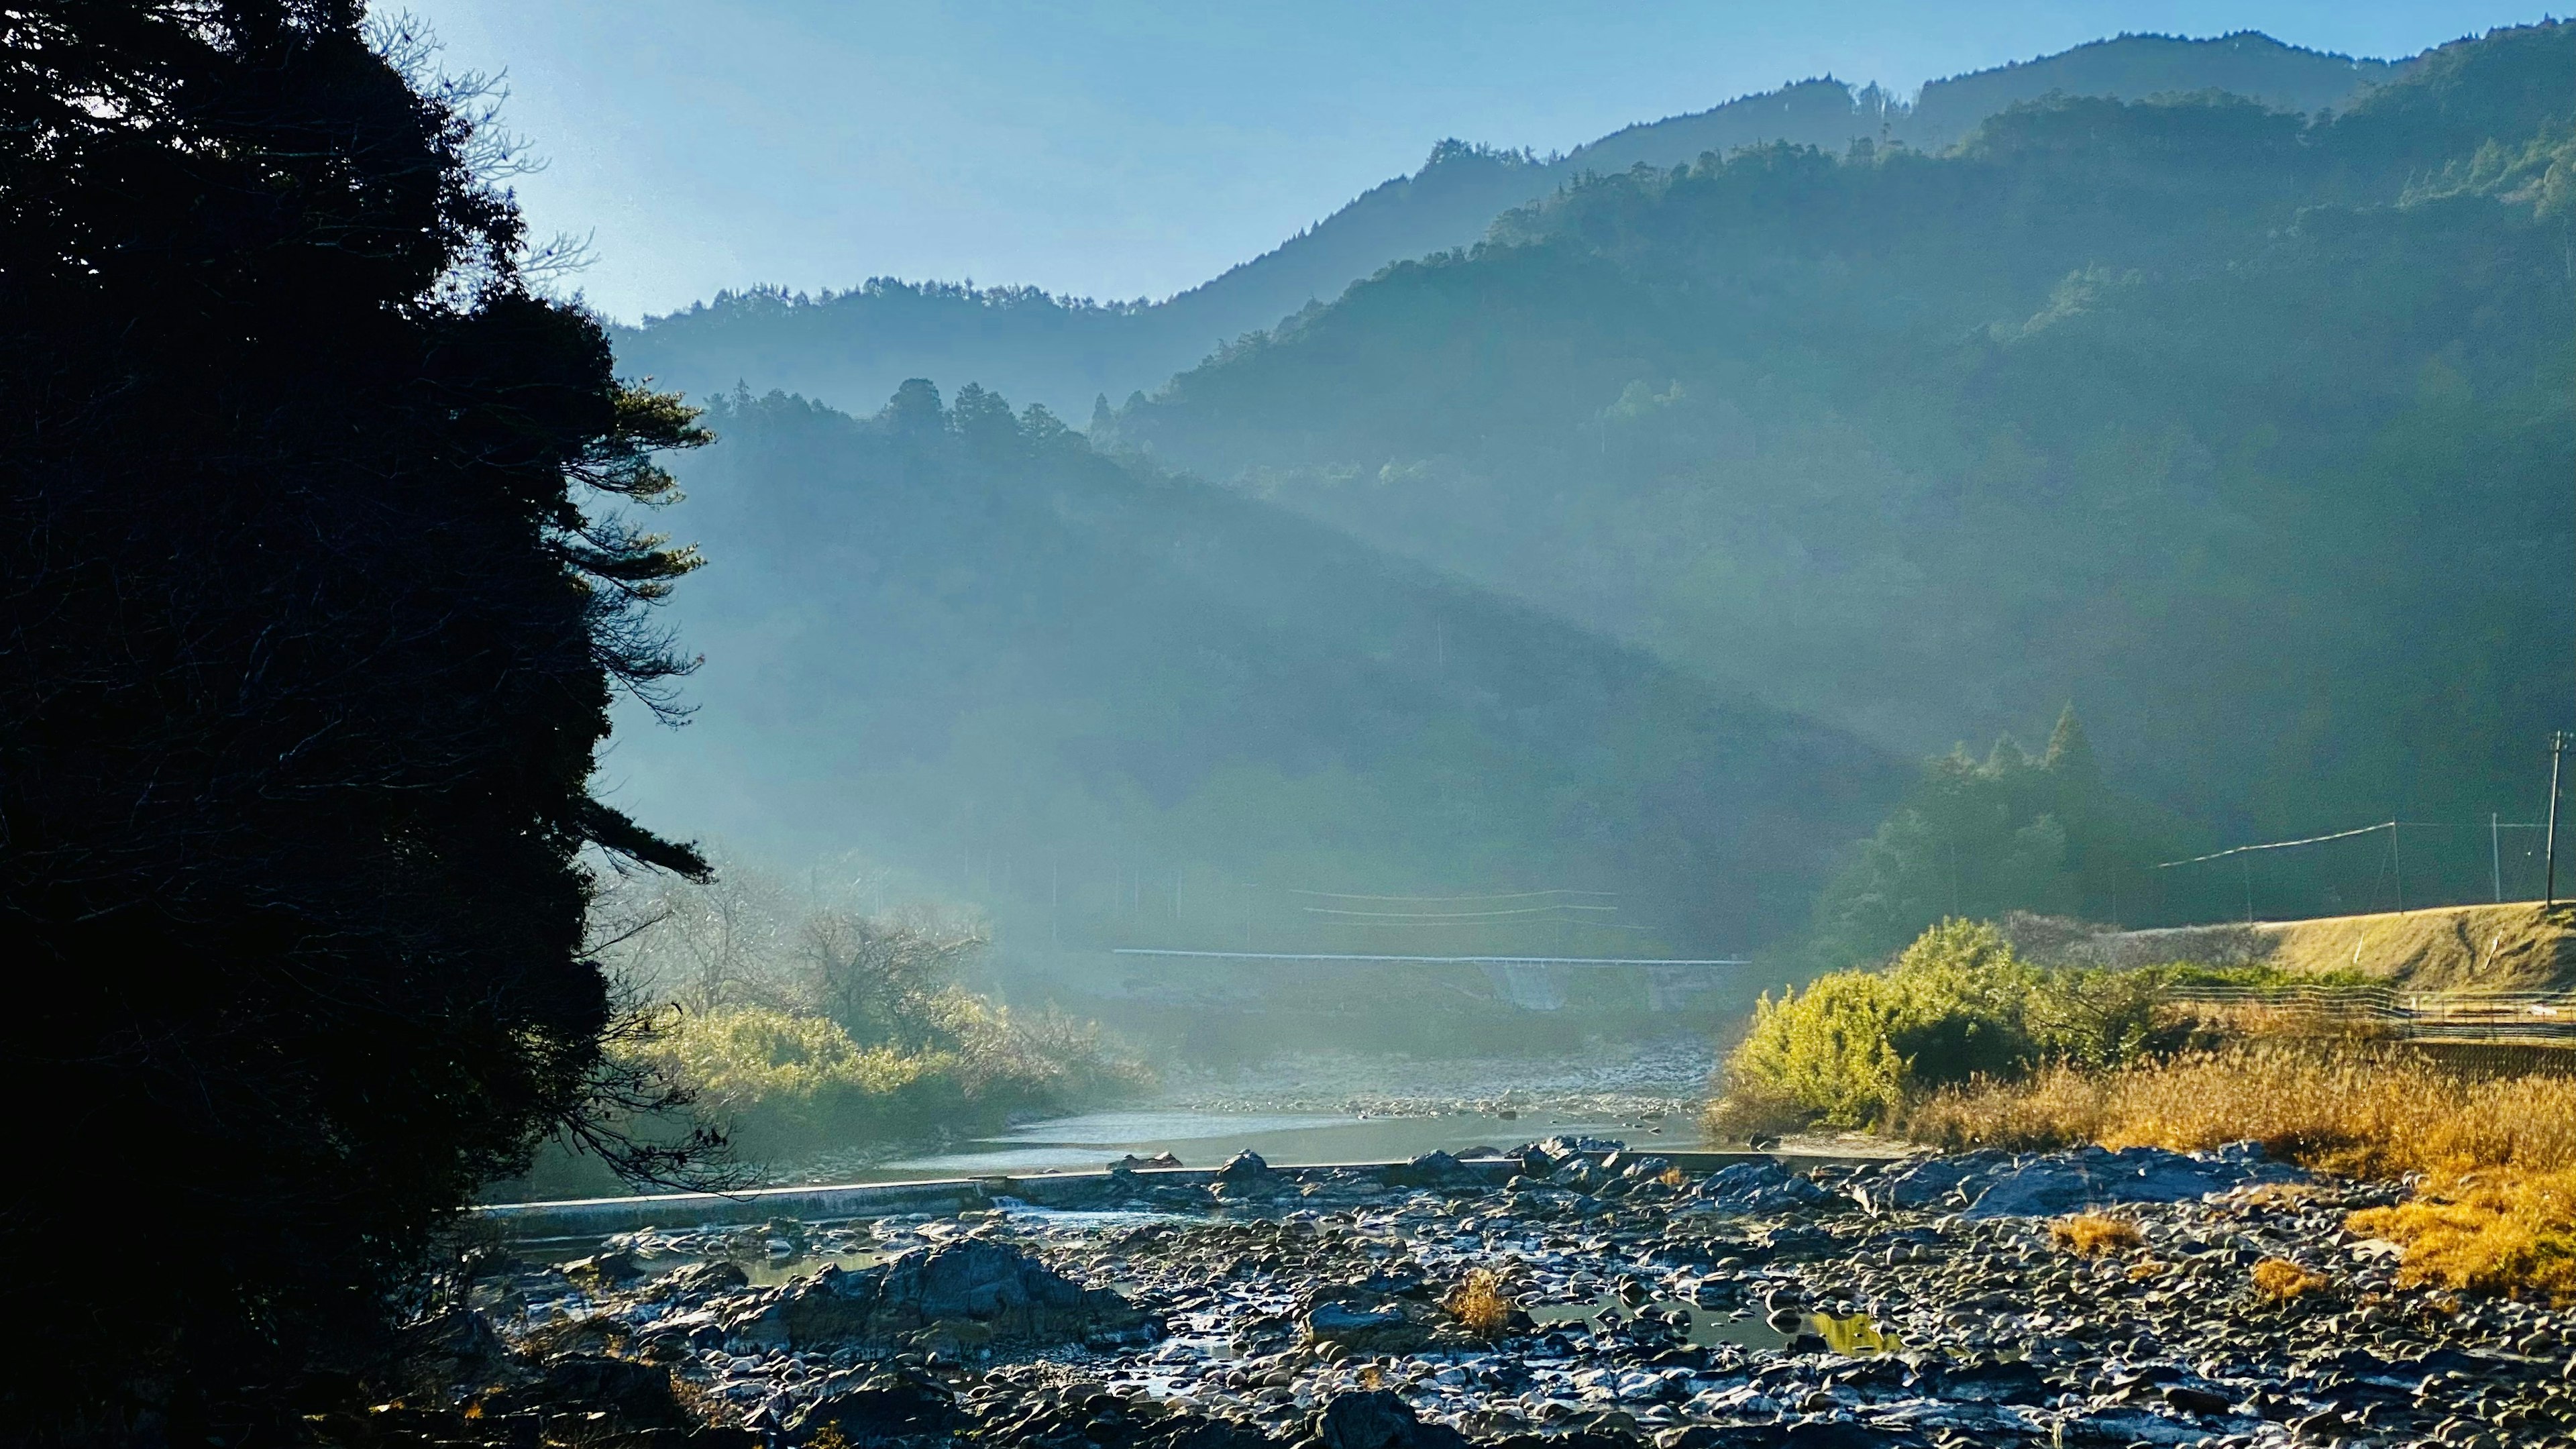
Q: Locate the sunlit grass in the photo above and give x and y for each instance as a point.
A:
(2281, 1280)
(2091, 1235)
(2495, 1160)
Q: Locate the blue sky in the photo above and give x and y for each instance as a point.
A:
(1119, 148)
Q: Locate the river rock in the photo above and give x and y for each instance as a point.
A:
(605, 1270)
(459, 1346)
(1434, 1169)
(1245, 1168)
(882, 1408)
(629, 1396)
(1383, 1329)
(1932, 1182)
(967, 1294)
(2063, 1182)
(1755, 1187)
(1378, 1419)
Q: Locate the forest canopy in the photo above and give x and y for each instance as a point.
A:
(2249, 430)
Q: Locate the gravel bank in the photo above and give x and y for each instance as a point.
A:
(1934, 1302)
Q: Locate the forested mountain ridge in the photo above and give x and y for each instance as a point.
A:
(853, 348)
(2247, 433)
(963, 640)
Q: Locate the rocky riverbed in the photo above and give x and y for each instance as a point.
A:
(2070, 1299)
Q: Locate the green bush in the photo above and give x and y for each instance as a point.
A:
(1851, 1049)
(781, 1080)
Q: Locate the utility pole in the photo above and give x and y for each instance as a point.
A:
(2495, 846)
(2396, 867)
(2557, 752)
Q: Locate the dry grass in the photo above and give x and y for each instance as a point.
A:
(2496, 1158)
(2366, 1111)
(2281, 1280)
(1742, 1112)
(1480, 1304)
(2090, 1235)
(2490, 948)
(2487, 1232)
(1672, 1177)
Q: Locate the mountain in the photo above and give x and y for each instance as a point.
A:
(2248, 433)
(1116, 706)
(854, 347)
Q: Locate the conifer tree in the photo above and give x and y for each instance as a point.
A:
(318, 576)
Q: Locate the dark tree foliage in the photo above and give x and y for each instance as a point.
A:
(312, 603)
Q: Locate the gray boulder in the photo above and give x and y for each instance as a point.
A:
(1378, 1419)
(1755, 1187)
(884, 1407)
(1384, 1328)
(962, 1295)
(1433, 1169)
(1952, 1180)
(1244, 1168)
(2064, 1182)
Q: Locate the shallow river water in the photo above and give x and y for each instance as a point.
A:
(1203, 1138)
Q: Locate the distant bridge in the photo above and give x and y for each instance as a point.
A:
(1434, 960)
(1528, 982)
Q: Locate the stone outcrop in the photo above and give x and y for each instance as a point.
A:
(960, 1296)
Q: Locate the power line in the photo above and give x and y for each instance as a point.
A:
(2277, 845)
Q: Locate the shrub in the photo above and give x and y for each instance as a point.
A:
(1957, 1006)
(787, 1079)
(1851, 1047)
(1479, 1304)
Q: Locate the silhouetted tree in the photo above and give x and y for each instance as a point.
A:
(316, 582)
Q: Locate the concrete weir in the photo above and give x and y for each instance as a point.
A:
(600, 1216)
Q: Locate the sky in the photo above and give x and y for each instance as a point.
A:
(1121, 148)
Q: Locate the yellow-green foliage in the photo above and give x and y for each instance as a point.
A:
(782, 1078)
(1823, 1054)
(1857, 1046)
(1850, 1048)
(748, 1056)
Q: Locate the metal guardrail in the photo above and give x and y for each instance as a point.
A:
(2535, 1017)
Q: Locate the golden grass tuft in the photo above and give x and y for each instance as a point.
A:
(2091, 1235)
(2281, 1280)
(1672, 1177)
(1479, 1304)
